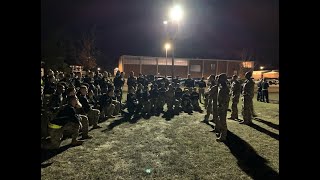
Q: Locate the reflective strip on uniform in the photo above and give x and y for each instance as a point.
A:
(54, 126)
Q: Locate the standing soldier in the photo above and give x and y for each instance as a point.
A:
(118, 82)
(170, 98)
(178, 97)
(146, 102)
(212, 100)
(265, 93)
(235, 95)
(223, 95)
(154, 94)
(132, 80)
(161, 99)
(248, 93)
(202, 86)
(189, 83)
(259, 94)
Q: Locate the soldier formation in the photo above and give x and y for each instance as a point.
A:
(72, 103)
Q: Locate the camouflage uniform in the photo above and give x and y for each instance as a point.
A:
(170, 98)
(223, 95)
(161, 99)
(57, 134)
(212, 103)
(247, 106)
(93, 116)
(235, 95)
(145, 101)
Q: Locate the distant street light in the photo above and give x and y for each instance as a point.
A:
(98, 69)
(261, 67)
(167, 46)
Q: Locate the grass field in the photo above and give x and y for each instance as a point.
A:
(180, 148)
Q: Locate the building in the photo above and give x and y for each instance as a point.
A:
(182, 66)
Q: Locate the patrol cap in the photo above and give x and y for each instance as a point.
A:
(223, 77)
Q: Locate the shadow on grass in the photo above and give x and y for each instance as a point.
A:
(48, 154)
(248, 160)
(269, 133)
(115, 123)
(270, 124)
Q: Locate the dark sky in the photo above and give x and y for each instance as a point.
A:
(209, 28)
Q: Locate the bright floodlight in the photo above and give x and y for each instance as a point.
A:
(261, 67)
(98, 69)
(165, 22)
(176, 13)
(167, 46)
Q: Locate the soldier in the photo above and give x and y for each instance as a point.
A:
(195, 100)
(141, 79)
(132, 101)
(93, 114)
(56, 100)
(248, 93)
(223, 94)
(189, 83)
(211, 100)
(66, 121)
(259, 91)
(202, 86)
(186, 102)
(118, 83)
(170, 98)
(146, 102)
(265, 93)
(154, 94)
(235, 95)
(178, 98)
(139, 94)
(107, 108)
(161, 99)
(132, 80)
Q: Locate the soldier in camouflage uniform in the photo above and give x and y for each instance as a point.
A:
(223, 95)
(248, 93)
(170, 98)
(67, 121)
(154, 95)
(235, 95)
(211, 100)
(161, 99)
(177, 99)
(146, 101)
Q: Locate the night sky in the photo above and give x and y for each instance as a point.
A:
(209, 28)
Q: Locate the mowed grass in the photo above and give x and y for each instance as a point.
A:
(180, 148)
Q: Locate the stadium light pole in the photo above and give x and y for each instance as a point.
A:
(175, 15)
(167, 46)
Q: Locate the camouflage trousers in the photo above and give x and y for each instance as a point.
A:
(170, 103)
(234, 107)
(85, 124)
(206, 99)
(247, 108)
(154, 104)
(212, 109)
(196, 106)
(146, 107)
(93, 116)
(201, 94)
(57, 134)
(108, 110)
(117, 106)
(222, 122)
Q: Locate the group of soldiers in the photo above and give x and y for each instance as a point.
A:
(263, 94)
(71, 103)
(218, 97)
